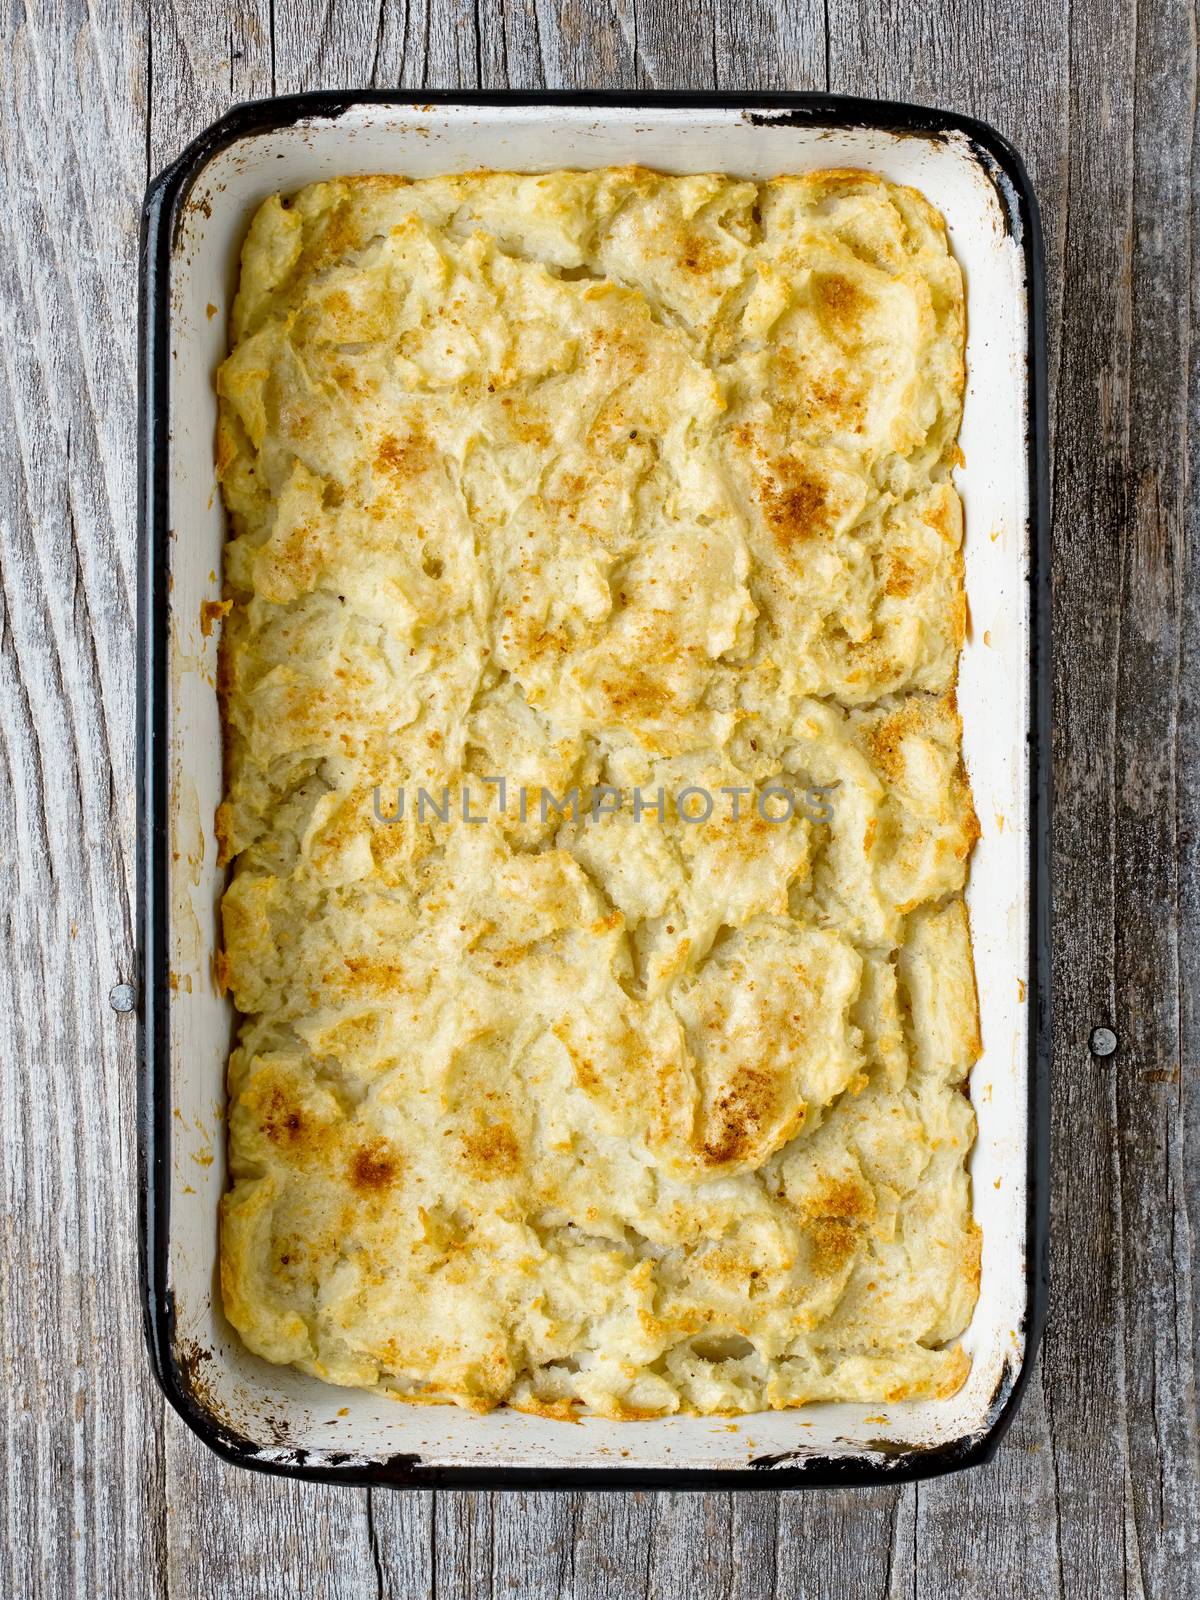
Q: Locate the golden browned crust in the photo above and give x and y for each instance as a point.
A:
(607, 483)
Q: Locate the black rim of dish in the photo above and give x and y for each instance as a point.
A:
(161, 214)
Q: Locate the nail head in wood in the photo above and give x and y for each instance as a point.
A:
(121, 997)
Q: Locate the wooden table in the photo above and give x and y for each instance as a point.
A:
(1095, 1492)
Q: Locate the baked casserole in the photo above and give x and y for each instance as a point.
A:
(594, 792)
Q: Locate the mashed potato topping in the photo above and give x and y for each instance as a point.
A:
(614, 485)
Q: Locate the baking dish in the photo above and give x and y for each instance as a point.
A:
(194, 219)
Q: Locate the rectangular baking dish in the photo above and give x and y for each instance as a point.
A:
(195, 216)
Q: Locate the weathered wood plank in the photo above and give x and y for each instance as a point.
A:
(1187, 781)
(1155, 505)
(715, 1544)
(1121, 392)
(760, 45)
(81, 1470)
(844, 1542)
(402, 1537)
(612, 1544)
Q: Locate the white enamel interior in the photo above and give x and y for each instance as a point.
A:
(279, 1408)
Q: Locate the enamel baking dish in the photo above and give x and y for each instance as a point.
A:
(195, 218)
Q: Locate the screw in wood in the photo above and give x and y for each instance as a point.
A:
(121, 997)
(1103, 1041)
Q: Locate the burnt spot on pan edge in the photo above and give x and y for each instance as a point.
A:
(817, 116)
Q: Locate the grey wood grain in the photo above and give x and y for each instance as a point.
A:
(1187, 794)
(81, 1468)
(1095, 1491)
(1157, 1353)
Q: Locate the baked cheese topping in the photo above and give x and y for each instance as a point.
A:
(562, 508)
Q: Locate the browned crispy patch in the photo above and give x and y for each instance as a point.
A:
(811, 395)
(534, 640)
(699, 254)
(350, 379)
(406, 457)
(738, 1115)
(830, 181)
(373, 1167)
(281, 1121)
(211, 612)
(227, 444)
(618, 347)
(362, 972)
(838, 398)
(221, 973)
(556, 1410)
(872, 661)
(885, 739)
(295, 561)
(223, 828)
(834, 1241)
(845, 1199)
(943, 517)
(585, 1071)
(902, 574)
(956, 1374)
(960, 620)
(795, 502)
(491, 1151)
(745, 436)
(527, 423)
(638, 694)
(340, 230)
(841, 302)
(623, 1412)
